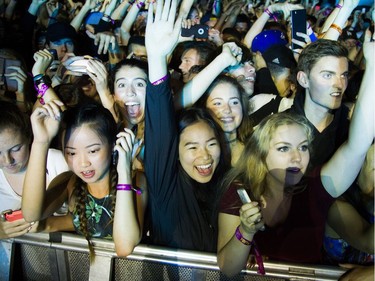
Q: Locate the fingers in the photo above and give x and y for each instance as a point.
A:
(126, 139)
(251, 217)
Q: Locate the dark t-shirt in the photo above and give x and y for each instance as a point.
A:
(176, 217)
(300, 237)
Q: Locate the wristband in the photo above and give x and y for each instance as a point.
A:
(140, 5)
(42, 89)
(336, 27)
(161, 80)
(131, 2)
(128, 187)
(37, 77)
(338, 6)
(271, 15)
(242, 239)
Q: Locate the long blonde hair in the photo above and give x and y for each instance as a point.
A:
(251, 168)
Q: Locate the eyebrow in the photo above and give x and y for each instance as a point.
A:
(85, 146)
(121, 78)
(192, 142)
(284, 142)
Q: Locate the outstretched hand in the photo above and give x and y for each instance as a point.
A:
(162, 31)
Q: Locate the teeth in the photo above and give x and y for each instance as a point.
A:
(87, 172)
(335, 94)
(251, 79)
(204, 166)
(131, 103)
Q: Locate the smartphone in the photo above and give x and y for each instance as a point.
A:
(198, 31)
(10, 215)
(79, 64)
(53, 52)
(11, 84)
(298, 18)
(242, 193)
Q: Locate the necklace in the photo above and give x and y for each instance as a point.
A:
(231, 141)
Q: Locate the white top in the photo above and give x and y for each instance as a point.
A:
(260, 100)
(56, 165)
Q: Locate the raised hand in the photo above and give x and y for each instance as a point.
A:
(19, 75)
(162, 31)
(124, 148)
(43, 59)
(45, 121)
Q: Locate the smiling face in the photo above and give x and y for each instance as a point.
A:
(88, 156)
(288, 156)
(326, 82)
(245, 74)
(14, 151)
(199, 151)
(224, 101)
(130, 92)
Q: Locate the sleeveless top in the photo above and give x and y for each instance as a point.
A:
(99, 217)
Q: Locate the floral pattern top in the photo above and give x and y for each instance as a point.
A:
(99, 217)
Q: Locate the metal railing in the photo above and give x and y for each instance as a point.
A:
(65, 256)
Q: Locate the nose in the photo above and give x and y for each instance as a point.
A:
(249, 68)
(181, 66)
(340, 82)
(204, 153)
(84, 161)
(296, 155)
(227, 108)
(129, 90)
(7, 158)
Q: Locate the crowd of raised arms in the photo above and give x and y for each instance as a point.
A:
(242, 137)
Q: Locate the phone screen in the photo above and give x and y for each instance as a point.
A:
(298, 18)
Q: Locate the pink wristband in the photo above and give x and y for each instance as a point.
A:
(161, 80)
(140, 5)
(268, 12)
(242, 239)
(128, 187)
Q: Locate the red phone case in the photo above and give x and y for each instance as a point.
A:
(13, 216)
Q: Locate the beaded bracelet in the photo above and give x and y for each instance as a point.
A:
(128, 187)
(161, 80)
(268, 12)
(336, 27)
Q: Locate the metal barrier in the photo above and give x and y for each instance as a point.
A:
(65, 256)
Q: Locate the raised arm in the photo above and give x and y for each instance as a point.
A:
(334, 29)
(127, 225)
(45, 124)
(86, 8)
(341, 170)
(195, 88)
(161, 37)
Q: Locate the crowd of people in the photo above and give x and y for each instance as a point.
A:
(113, 125)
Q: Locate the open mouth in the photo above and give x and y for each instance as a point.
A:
(88, 174)
(133, 109)
(204, 170)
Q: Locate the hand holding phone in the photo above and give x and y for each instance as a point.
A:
(298, 20)
(242, 193)
(198, 31)
(10, 215)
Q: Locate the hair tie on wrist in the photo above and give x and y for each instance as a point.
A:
(271, 15)
(128, 187)
(336, 27)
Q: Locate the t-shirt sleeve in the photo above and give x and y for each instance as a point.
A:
(230, 202)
